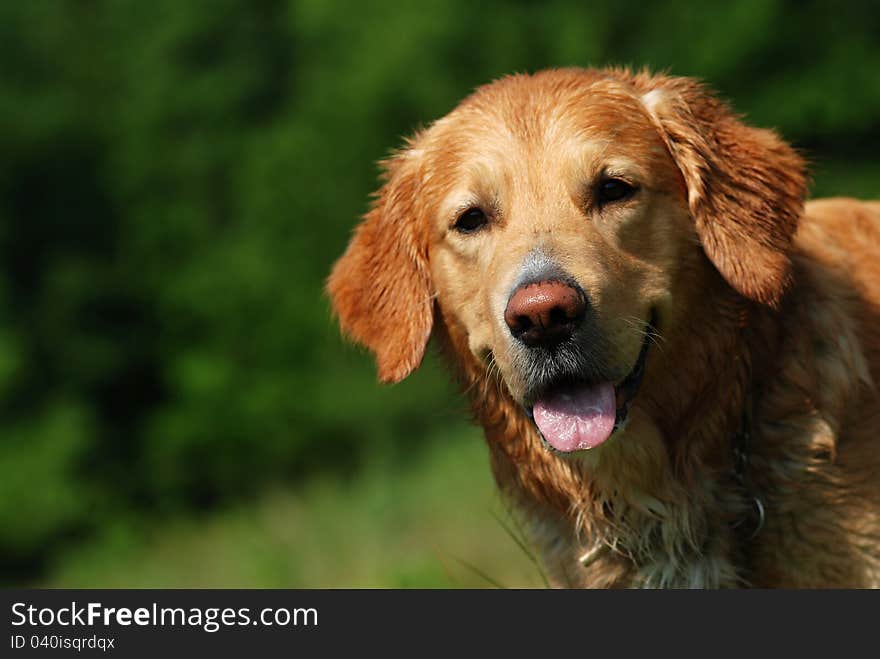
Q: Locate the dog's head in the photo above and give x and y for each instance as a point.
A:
(554, 219)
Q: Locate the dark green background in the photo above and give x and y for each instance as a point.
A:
(176, 179)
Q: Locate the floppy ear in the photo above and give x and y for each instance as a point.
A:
(380, 287)
(746, 187)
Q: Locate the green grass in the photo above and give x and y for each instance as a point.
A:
(435, 521)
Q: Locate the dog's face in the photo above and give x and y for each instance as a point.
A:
(556, 220)
(556, 245)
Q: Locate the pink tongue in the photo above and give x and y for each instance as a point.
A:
(576, 419)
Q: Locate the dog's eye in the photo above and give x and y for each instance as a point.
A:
(614, 189)
(473, 219)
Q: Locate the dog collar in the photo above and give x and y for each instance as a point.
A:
(742, 441)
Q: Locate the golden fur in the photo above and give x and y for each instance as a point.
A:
(768, 316)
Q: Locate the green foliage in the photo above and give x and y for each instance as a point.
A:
(177, 178)
(434, 521)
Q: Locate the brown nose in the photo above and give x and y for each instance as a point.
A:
(545, 313)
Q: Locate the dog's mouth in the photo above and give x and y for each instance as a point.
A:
(574, 415)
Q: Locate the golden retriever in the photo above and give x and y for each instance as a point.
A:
(673, 357)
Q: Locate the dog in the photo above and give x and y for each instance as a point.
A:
(674, 357)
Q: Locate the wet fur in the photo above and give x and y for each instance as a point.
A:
(774, 325)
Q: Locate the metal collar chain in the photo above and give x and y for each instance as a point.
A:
(741, 448)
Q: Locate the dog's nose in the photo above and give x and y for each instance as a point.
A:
(545, 313)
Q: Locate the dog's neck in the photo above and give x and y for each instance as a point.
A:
(702, 384)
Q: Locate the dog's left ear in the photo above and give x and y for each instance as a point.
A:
(380, 287)
(746, 186)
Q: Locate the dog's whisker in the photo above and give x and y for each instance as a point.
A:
(645, 331)
(495, 370)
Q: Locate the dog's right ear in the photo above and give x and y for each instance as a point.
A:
(380, 288)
